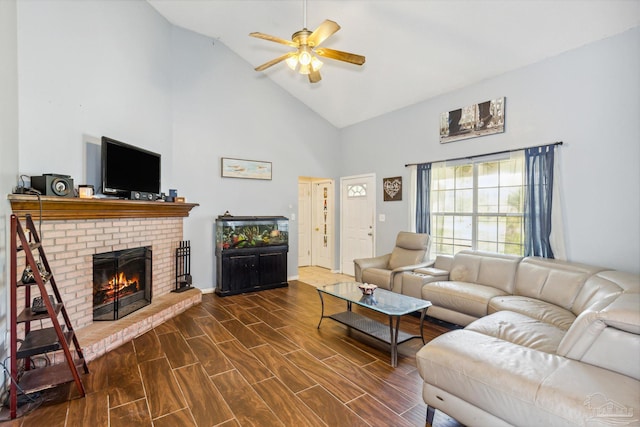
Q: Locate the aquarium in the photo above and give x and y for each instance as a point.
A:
(240, 232)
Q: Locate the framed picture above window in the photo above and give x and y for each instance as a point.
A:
(480, 119)
(392, 188)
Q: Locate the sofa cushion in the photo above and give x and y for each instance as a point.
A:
(410, 249)
(603, 285)
(378, 276)
(520, 329)
(535, 308)
(401, 257)
(591, 396)
(467, 298)
(485, 268)
(606, 335)
(554, 281)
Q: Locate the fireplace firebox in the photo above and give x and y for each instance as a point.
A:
(122, 282)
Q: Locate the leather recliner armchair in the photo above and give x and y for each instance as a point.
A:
(411, 252)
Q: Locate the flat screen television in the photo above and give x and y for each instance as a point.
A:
(126, 168)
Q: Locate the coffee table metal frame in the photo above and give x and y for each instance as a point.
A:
(382, 301)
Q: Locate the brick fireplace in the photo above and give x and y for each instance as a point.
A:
(74, 230)
(71, 245)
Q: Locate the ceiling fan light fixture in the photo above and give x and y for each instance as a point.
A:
(316, 64)
(304, 57)
(292, 62)
(304, 69)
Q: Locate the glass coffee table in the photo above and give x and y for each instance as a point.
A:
(386, 302)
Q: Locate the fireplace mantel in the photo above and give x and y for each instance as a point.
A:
(61, 208)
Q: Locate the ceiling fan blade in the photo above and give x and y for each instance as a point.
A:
(323, 32)
(273, 39)
(274, 61)
(340, 56)
(314, 76)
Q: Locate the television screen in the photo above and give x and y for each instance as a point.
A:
(126, 168)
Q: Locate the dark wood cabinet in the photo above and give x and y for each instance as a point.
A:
(251, 253)
(248, 270)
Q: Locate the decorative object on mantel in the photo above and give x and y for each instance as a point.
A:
(306, 44)
(392, 188)
(85, 191)
(481, 119)
(239, 168)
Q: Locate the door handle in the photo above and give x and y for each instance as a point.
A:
(369, 234)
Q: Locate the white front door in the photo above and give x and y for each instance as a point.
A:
(304, 223)
(357, 216)
(323, 201)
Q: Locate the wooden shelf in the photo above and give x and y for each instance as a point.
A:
(41, 341)
(61, 208)
(29, 316)
(44, 378)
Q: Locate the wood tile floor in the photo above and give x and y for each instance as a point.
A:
(256, 359)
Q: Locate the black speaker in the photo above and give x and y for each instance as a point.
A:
(141, 195)
(53, 185)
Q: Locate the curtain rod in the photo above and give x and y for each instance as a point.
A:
(486, 154)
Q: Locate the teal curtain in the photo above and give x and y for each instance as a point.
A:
(423, 221)
(539, 192)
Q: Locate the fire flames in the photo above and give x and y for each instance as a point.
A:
(119, 286)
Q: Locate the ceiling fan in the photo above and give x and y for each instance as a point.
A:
(307, 44)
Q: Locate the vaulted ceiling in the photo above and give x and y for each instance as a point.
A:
(415, 49)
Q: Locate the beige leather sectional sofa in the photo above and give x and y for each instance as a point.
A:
(545, 343)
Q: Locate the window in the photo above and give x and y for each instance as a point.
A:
(478, 205)
(357, 190)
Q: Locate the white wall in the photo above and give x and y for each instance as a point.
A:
(87, 69)
(588, 98)
(223, 108)
(8, 148)
(117, 68)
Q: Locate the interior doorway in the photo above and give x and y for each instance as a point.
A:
(316, 222)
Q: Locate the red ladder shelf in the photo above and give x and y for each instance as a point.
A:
(43, 340)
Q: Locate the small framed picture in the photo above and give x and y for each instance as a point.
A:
(240, 168)
(392, 188)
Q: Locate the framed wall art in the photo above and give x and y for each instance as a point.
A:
(392, 188)
(481, 119)
(249, 169)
